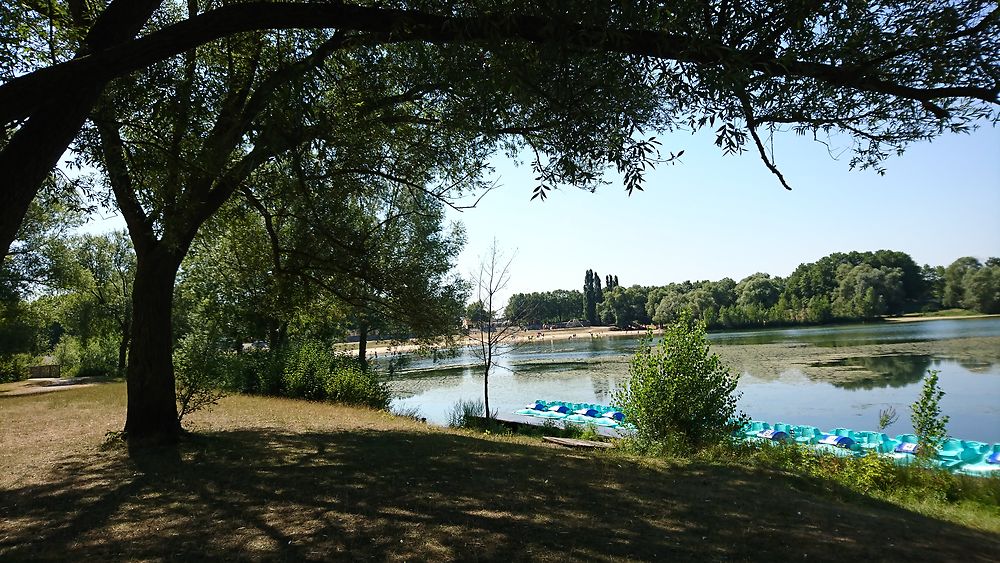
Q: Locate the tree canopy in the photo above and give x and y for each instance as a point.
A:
(885, 74)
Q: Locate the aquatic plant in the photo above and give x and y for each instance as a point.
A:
(887, 417)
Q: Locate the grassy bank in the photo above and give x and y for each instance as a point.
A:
(279, 479)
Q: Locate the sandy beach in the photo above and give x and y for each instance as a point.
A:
(472, 339)
(381, 347)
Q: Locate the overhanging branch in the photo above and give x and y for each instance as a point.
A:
(22, 95)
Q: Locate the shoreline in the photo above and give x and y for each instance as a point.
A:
(921, 318)
(395, 347)
(523, 336)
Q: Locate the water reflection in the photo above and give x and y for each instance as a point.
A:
(890, 371)
(852, 335)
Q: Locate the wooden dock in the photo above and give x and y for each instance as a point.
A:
(577, 443)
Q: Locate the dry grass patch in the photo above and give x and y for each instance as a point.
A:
(280, 479)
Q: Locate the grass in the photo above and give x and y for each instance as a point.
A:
(266, 478)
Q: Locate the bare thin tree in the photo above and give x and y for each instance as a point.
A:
(496, 336)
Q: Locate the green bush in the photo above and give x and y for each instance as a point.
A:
(679, 395)
(870, 474)
(67, 353)
(929, 424)
(312, 371)
(14, 367)
(307, 371)
(349, 384)
(199, 371)
(98, 358)
(256, 372)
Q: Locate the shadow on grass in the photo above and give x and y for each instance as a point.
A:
(433, 496)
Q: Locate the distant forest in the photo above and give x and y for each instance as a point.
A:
(852, 286)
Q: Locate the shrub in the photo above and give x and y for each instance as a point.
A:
(199, 371)
(679, 395)
(67, 352)
(925, 413)
(256, 372)
(350, 384)
(313, 372)
(869, 473)
(99, 357)
(464, 410)
(307, 370)
(14, 367)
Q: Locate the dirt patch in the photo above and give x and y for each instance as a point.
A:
(48, 384)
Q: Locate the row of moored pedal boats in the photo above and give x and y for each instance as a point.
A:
(960, 456)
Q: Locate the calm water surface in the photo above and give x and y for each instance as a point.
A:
(589, 370)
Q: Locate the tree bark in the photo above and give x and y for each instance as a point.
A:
(125, 337)
(34, 150)
(363, 345)
(33, 153)
(151, 418)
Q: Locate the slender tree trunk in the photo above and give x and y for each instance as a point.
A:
(277, 335)
(486, 373)
(152, 405)
(126, 336)
(486, 392)
(363, 345)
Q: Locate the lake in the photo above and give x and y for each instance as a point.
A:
(823, 376)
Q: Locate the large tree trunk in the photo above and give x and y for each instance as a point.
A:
(152, 405)
(363, 345)
(33, 152)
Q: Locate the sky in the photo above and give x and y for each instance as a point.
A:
(715, 216)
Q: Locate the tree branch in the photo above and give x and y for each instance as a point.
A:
(22, 95)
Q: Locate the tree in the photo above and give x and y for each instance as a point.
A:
(589, 298)
(40, 258)
(544, 307)
(757, 290)
(760, 63)
(954, 280)
(933, 277)
(929, 424)
(107, 270)
(380, 246)
(866, 292)
(982, 289)
(495, 338)
(476, 312)
(679, 394)
(624, 307)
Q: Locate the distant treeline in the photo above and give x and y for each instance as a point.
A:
(848, 286)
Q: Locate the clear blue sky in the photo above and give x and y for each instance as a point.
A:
(714, 216)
